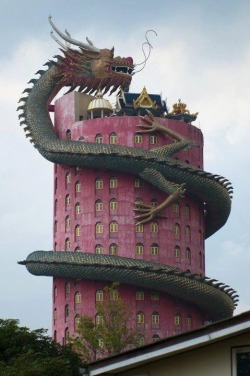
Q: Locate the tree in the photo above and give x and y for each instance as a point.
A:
(32, 353)
(110, 333)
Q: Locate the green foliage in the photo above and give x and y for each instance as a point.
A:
(110, 333)
(32, 353)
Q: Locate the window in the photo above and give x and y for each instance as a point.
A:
(113, 139)
(67, 244)
(200, 237)
(200, 259)
(113, 249)
(139, 249)
(139, 295)
(187, 233)
(113, 204)
(99, 296)
(155, 295)
(99, 319)
(66, 334)
(67, 311)
(138, 138)
(140, 318)
(55, 207)
(99, 228)
(139, 201)
(177, 252)
(241, 361)
(99, 183)
(114, 295)
(177, 230)
(188, 254)
(100, 342)
(98, 205)
(78, 187)
(99, 249)
(154, 227)
(154, 202)
(99, 138)
(177, 320)
(155, 318)
(55, 314)
(67, 201)
(154, 249)
(55, 335)
(68, 134)
(76, 322)
(189, 321)
(153, 139)
(176, 207)
(138, 183)
(56, 184)
(113, 183)
(113, 226)
(55, 293)
(77, 297)
(78, 231)
(139, 227)
(55, 226)
(78, 208)
(187, 211)
(155, 338)
(67, 222)
(141, 339)
(67, 288)
(78, 249)
(68, 178)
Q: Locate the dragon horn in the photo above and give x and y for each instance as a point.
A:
(68, 39)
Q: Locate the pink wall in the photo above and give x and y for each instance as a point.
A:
(126, 238)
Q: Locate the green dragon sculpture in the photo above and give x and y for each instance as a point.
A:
(92, 70)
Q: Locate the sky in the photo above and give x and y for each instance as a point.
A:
(201, 54)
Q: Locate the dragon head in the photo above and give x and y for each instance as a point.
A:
(89, 68)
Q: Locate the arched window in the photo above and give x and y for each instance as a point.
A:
(188, 255)
(113, 226)
(67, 223)
(55, 246)
(67, 244)
(139, 227)
(67, 202)
(68, 134)
(139, 295)
(139, 249)
(99, 296)
(98, 205)
(99, 183)
(177, 252)
(138, 183)
(200, 237)
(138, 138)
(155, 295)
(177, 320)
(113, 139)
(113, 204)
(55, 226)
(55, 314)
(78, 249)
(140, 317)
(189, 321)
(177, 230)
(176, 207)
(99, 228)
(113, 249)
(55, 335)
(138, 201)
(67, 288)
(187, 233)
(153, 139)
(66, 334)
(114, 295)
(68, 178)
(98, 319)
(154, 202)
(100, 342)
(76, 322)
(99, 249)
(55, 293)
(140, 339)
(78, 208)
(55, 207)
(67, 311)
(187, 211)
(78, 187)
(155, 319)
(155, 338)
(154, 227)
(113, 183)
(154, 249)
(99, 138)
(78, 231)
